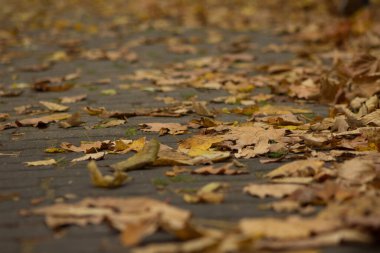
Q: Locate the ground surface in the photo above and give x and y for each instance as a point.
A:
(39, 186)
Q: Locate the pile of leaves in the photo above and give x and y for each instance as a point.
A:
(326, 184)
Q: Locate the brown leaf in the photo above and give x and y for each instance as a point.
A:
(271, 190)
(47, 85)
(286, 229)
(73, 99)
(54, 107)
(175, 171)
(357, 171)
(87, 147)
(111, 123)
(134, 233)
(43, 121)
(323, 240)
(122, 214)
(302, 168)
(164, 128)
(95, 156)
(221, 170)
(4, 116)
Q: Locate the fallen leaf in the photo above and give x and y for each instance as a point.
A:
(175, 171)
(73, 99)
(111, 123)
(210, 193)
(87, 146)
(290, 228)
(271, 190)
(54, 107)
(221, 170)
(122, 214)
(46, 162)
(95, 156)
(4, 116)
(143, 158)
(164, 128)
(324, 240)
(302, 168)
(43, 121)
(73, 121)
(357, 171)
(97, 178)
(201, 109)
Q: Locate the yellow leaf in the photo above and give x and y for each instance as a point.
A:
(97, 178)
(198, 144)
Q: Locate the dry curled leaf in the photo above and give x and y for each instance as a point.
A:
(97, 178)
(143, 158)
(210, 193)
(73, 121)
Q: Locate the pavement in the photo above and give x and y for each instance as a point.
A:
(38, 186)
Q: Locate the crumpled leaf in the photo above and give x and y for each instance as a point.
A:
(143, 158)
(97, 178)
(271, 190)
(46, 162)
(210, 193)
